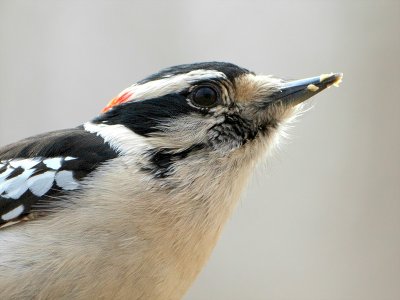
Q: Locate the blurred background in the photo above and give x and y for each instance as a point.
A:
(321, 220)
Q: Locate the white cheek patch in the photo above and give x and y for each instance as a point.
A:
(120, 138)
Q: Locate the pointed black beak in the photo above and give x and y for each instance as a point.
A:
(297, 91)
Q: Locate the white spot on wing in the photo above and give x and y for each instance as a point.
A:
(15, 187)
(53, 163)
(68, 158)
(24, 163)
(17, 191)
(13, 213)
(42, 183)
(66, 181)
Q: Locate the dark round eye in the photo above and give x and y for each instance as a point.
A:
(205, 96)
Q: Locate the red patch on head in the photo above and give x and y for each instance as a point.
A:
(117, 101)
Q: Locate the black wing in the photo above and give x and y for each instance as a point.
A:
(35, 172)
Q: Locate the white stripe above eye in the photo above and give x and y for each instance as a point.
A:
(12, 214)
(170, 84)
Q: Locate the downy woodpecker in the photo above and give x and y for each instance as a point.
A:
(131, 204)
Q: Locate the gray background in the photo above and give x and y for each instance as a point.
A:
(322, 219)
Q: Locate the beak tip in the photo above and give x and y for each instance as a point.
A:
(339, 79)
(331, 79)
(297, 91)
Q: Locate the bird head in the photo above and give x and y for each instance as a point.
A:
(216, 109)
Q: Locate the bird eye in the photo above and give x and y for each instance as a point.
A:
(205, 96)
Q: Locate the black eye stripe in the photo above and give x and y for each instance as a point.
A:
(145, 117)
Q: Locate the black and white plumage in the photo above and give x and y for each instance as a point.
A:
(136, 198)
(35, 173)
(29, 184)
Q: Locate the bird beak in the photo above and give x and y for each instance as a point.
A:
(297, 91)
